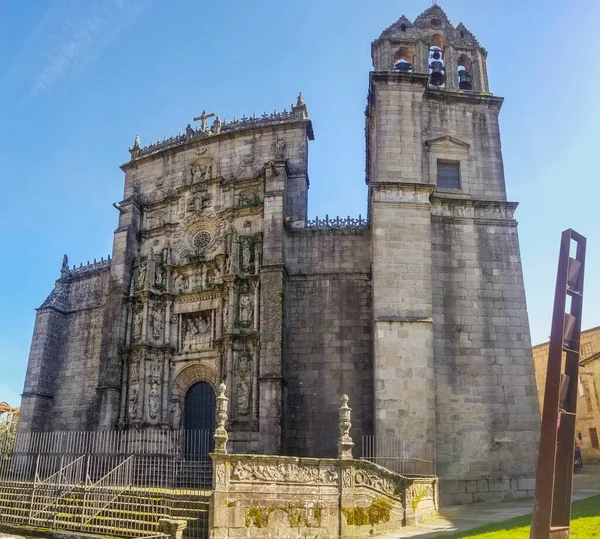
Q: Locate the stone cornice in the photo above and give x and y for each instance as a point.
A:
(397, 76)
(465, 96)
(229, 130)
(453, 207)
(400, 193)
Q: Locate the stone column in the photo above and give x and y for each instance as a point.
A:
(221, 435)
(167, 326)
(272, 274)
(114, 324)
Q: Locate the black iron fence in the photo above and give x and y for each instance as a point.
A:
(405, 457)
(109, 482)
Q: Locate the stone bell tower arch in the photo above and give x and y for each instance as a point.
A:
(452, 355)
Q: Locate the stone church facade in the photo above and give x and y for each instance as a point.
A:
(417, 313)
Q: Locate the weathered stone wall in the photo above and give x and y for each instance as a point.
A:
(62, 376)
(78, 362)
(486, 405)
(291, 498)
(327, 343)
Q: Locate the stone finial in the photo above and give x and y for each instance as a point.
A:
(345, 443)
(216, 127)
(135, 151)
(299, 109)
(220, 435)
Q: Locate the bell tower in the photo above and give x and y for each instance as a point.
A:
(453, 369)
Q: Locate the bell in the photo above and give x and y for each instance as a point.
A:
(403, 65)
(464, 80)
(437, 76)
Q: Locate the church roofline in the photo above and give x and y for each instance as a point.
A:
(459, 32)
(296, 115)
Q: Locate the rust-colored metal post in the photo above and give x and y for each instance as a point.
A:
(554, 481)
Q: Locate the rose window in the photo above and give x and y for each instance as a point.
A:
(202, 240)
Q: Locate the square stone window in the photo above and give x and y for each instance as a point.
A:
(448, 174)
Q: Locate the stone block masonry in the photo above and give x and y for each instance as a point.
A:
(327, 340)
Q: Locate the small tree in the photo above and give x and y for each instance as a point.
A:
(8, 429)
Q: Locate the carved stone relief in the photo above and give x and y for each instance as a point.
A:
(243, 387)
(289, 473)
(134, 391)
(200, 235)
(181, 283)
(143, 269)
(157, 324)
(246, 311)
(154, 400)
(196, 331)
(176, 416)
(138, 321)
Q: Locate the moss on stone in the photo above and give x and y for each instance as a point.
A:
(379, 511)
(254, 517)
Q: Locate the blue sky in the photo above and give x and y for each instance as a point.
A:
(79, 78)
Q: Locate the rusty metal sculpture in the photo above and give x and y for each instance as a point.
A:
(554, 481)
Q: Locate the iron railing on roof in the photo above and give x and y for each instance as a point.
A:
(338, 222)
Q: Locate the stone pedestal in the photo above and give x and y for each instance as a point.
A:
(172, 528)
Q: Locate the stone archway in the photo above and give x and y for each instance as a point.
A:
(194, 388)
(190, 376)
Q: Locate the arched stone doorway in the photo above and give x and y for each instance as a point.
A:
(199, 421)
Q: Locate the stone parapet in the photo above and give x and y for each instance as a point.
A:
(290, 497)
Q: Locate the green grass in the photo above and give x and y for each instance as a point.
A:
(585, 524)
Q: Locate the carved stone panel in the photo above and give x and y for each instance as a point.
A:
(196, 331)
(154, 400)
(138, 322)
(243, 383)
(246, 311)
(157, 324)
(134, 392)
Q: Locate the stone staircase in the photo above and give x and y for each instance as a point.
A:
(127, 512)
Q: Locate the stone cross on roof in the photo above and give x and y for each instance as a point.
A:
(203, 117)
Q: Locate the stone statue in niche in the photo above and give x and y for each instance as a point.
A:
(191, 203)
(135, 371)
(181, 283)
(246, 311)
(142, 275)
(153, 400)
(158, 276)
(225, 314)
(247, 257)
(133, 401)
(138, 319)
(201, 172)
(157, 325)
(196, 331)
(176, 416)
(155, 370)
(243, 396)
(279, 148)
